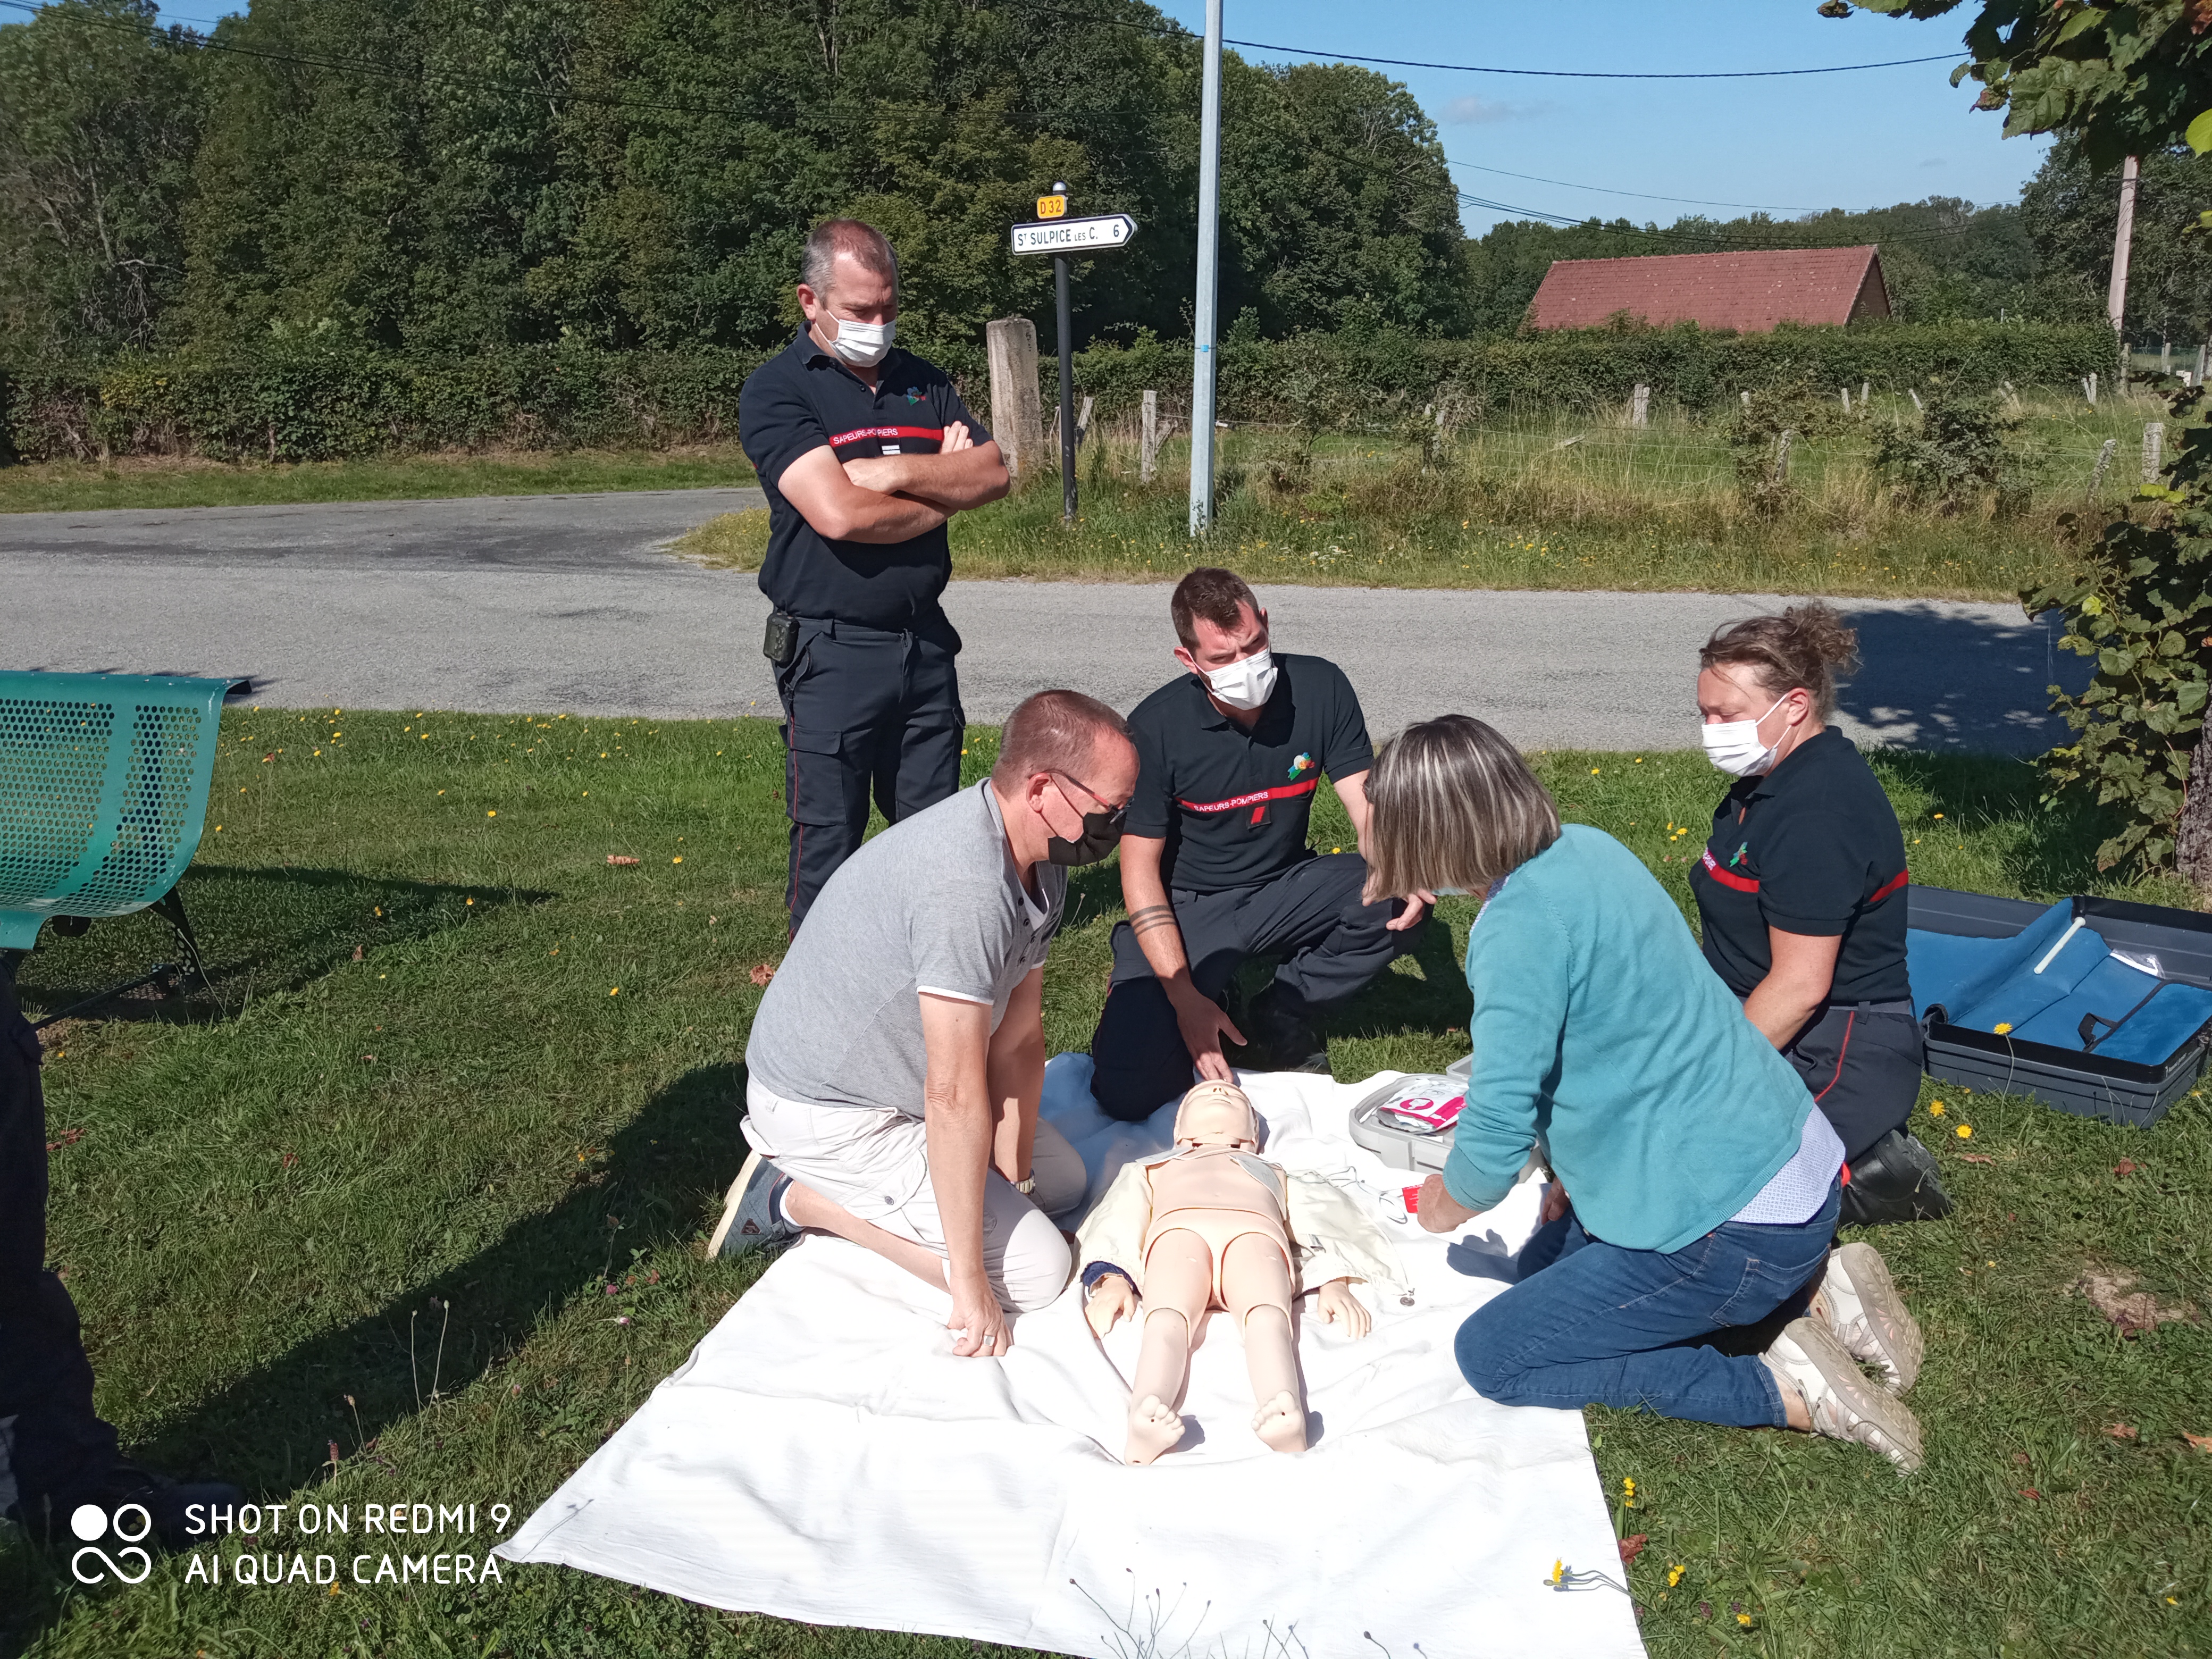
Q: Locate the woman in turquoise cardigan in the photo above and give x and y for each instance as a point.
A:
(1703, 1184)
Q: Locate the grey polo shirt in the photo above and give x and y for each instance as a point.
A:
(931, 905)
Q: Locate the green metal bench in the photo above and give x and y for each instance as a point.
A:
(103, 789)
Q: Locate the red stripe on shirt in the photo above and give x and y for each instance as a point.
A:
(1890, 886)
(1287, 792)
(937, 432)
(1727, 878)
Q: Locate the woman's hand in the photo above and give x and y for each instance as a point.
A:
(1556, 1203)
(1438, 1211)
(1113, 1301)
(1337, 1304)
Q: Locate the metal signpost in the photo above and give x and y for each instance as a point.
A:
(1203, 322)
(1055, 233)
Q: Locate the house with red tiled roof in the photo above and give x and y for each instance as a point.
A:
(1750, 291)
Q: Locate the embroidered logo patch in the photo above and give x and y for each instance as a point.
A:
(1303, 763)
(913, 395)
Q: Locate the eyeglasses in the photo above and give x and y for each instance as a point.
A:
(1115, 814)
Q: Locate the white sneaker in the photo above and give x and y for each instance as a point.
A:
(1859, 1303)
(1808, 1361)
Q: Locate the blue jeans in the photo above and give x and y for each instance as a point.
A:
(1591, 1323)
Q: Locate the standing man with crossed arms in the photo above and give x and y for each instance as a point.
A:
(864, 452)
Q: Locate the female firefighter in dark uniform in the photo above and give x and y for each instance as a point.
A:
(1801, 894)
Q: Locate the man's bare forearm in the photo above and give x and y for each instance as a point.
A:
(957, 1134)
(1017, 1085)
(952, 483)
(1153, 919)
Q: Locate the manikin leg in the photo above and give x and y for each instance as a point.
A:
(1178, 1283)
(1255, 1287)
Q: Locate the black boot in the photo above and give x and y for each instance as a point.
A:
(180, 1514)
(1893, 1180)
(1278, 1023)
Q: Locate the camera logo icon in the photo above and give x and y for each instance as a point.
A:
(128, 1527)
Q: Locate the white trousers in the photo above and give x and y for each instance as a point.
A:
(874, 1162)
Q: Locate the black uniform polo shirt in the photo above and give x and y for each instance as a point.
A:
(1233, 804)
(802, 398)
(1812, 847)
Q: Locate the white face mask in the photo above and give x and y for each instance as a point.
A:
(863, 344)
(1734, 745)
(1245, 684)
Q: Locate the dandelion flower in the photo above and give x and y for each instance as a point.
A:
(2001, 1027)
(615, 991)
(678, 859)
(1336, 849)
(1965, 1131)
(1593, 771)
(1935, 1109)
(1744, 1620)
(492, 812)
(468, 901)
(1674, 1575)
(1937, 815)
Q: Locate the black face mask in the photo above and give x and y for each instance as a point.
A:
(1102, 833)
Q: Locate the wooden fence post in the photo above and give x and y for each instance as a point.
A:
(2104, 465)
(1782, 455)
(2154, 455)
(1017, 409)
(1865, 386)
(1148, 442)
(1639, 406)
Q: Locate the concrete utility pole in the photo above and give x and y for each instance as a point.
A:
(2116, 298)
(1204, 357)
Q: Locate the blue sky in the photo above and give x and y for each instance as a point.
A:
(1803, 142)
(1792, 145)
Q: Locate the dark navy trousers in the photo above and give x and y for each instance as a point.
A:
(867, 713)
(1327, 939)
(52, 1440)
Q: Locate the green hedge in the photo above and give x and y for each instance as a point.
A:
(314, 396)
(1349, 380)
(319, 399)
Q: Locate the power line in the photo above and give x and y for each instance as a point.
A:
(1175, 29)
(1646, 195)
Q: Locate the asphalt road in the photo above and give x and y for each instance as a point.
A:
(568, 603)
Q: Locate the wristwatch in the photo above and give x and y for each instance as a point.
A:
(1027, 1184)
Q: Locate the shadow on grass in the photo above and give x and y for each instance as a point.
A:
(296, 925)
(1437, 999)
(270, 1430)
(2055, 852)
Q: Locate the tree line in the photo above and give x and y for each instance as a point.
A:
(456, 176)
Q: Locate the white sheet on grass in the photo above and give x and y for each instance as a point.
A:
(823, 1456)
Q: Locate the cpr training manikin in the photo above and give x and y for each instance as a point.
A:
(1212, 1224)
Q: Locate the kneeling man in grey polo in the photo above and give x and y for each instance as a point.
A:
(896, 1060)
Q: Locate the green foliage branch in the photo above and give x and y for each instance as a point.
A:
(2140, 603)
(1955, 453)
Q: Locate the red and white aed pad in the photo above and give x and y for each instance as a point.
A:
(1408, 1123)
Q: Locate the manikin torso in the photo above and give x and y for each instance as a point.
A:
(1215, 1178)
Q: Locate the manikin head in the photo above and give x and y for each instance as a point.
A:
(1218, 1115)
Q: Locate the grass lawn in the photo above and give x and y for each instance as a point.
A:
(419, 1221)
(86, 486)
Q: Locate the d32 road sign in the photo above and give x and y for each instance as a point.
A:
(1110, 230)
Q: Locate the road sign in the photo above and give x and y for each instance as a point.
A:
(1051, 207)
(1064, 236)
